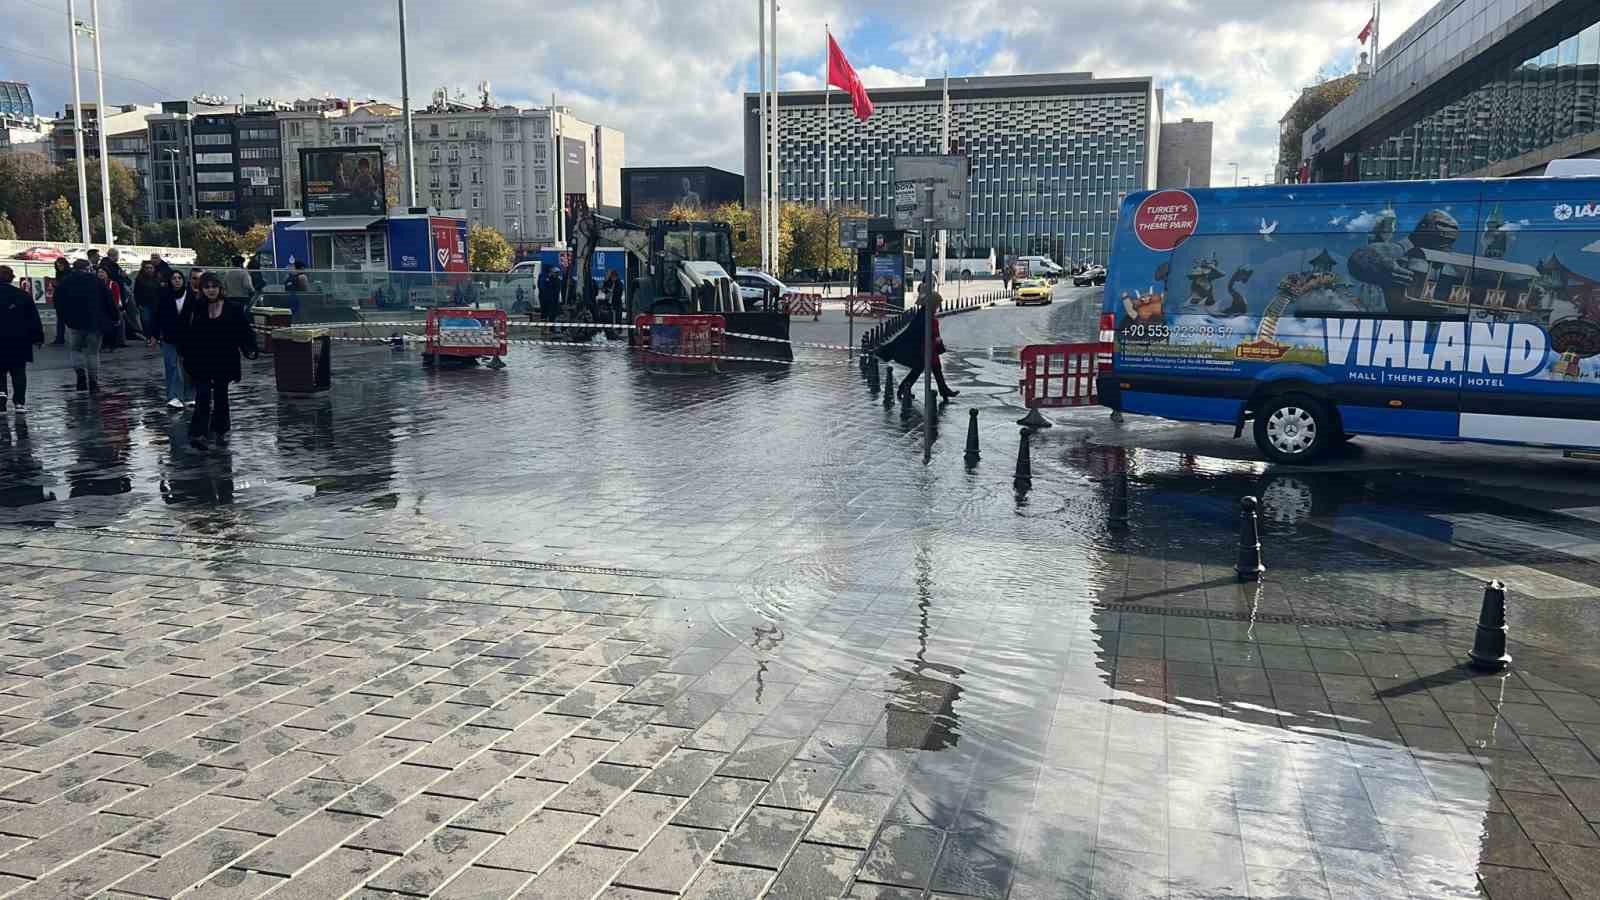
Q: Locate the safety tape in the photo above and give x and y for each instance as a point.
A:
(608, 345)
(809, 345)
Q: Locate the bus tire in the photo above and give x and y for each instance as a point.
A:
(1294, 428)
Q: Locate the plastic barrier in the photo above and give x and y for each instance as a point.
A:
(466, 332)
(1055, 375)
(803, 304)
(691, 340)
(866, 306)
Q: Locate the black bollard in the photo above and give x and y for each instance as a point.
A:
(872, 376)
(972, 437)
(1249, 567)
(888, 385)
(1023, 480)
(1488, 651)
(1117, 516)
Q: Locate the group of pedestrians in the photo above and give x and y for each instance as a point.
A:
(200, 329)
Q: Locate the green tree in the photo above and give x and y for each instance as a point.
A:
(24, 178)
(487, 250)
(258, 234)
(161, 233)
(59, 222)
(63, 182)
(1314, 103)
(8, 231)
(215, 244)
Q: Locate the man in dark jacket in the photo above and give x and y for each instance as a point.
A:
(550, 286)
(20, 332)
(84, 304)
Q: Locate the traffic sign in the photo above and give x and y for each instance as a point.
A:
(913, 175)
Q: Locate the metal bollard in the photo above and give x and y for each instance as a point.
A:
(1117, 516)
(872, 376)
(888, 385)
(1023, 480)
(1249, 567)
(972, 437)
(1488, 651)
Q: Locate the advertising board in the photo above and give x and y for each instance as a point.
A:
(342, 181)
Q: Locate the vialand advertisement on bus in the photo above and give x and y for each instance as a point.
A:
(1443, 285)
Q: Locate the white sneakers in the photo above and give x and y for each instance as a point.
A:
(175, 403)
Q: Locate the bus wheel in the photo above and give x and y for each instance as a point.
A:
(1293, 428)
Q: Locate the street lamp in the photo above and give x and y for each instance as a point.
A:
(1235, 173)
(177, 211)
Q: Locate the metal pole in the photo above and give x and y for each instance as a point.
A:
(405, 106)
(761, 65)
(177, 211)
(777, 200)
(77, 121)
(928, 313)
(827, 125)
(100, 117)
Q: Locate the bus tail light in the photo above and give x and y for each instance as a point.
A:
(1108, 337)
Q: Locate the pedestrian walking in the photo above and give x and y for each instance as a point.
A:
(63, 269)
(214, 335)
(166, 333)
(111, 338)
(147, 289)
(905, 347)
(612, 291)
(84, 303)
(550, 285)
(195, 274)
(20, 332)
(236, 283)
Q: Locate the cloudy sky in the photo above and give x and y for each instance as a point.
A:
(670, 72)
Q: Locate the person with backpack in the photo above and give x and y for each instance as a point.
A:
(20, 332)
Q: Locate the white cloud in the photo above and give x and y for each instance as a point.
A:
(1363, 222)
(671, 74)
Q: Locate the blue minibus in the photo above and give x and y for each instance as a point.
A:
(1455, 310)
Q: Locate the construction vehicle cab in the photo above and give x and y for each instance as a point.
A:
(679, 268)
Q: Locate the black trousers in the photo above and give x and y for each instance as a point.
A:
(910, 382)
(18, 373)
(211, 414)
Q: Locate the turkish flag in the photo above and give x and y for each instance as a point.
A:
(841, 76)
(1366, 32)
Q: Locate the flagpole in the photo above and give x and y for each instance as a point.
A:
(1377, 13)
(944, 148)
(827, 126)
(761, 64)
(777, 254)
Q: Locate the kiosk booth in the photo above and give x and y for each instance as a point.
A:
(884, 264)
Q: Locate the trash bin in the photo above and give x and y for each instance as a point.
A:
(268, 319)
(301, 360)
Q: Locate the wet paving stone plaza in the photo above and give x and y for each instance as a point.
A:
(575, 629)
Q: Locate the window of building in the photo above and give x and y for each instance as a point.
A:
(477, 151)
(508, 129)
(455, 178)
(213, 177)
(214, 159)
(477, 200)
(455, 200)
(540, 178)
(510, 152)
(213, 140)
(539, 150)
(375, 248)
(215, 196)
(510, 177)
(455, 130)
(438, 199)
(433, 129)
(433, 153)
(455, 153)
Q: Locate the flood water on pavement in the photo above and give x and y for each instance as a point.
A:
(1010, 695)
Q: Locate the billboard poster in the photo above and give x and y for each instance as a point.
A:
(342, 181)
(449, 245)
(574, 168)
(652, 195)
(408, 245)
(1482, 296)
(889, 276)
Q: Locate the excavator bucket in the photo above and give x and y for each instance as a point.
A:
(757, 336)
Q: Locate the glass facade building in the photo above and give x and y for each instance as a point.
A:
(1051, 156)
(1475, 88)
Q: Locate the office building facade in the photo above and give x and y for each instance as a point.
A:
(1051, 156)
(1473, 88)
(1183, 158)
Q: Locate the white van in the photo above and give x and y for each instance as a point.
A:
(1040, 266)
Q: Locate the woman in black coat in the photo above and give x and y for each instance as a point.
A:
(213, 334)
(906, 347)
(20, 332)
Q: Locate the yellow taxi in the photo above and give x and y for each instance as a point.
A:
(1032, 290)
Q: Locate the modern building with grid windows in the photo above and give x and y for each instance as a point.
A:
(1474, 88)
(1051, 155)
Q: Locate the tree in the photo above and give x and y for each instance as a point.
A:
(24, 178)
(8, 231)
(59, 222)
(1314, 103)
(258, 234)
(63, 182)
(487, 250)
(161, 233)
(215, 244)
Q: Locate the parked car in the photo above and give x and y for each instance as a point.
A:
(756, 286)
(40, 254)
(1033, 290)
(1089, 276)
